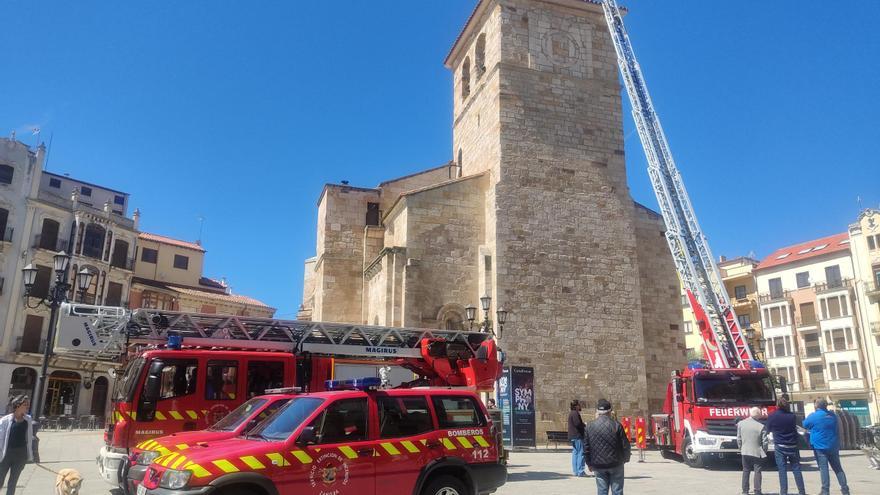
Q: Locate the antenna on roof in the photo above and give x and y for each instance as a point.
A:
(201, 220)
(859, 201)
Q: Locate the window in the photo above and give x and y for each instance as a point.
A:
(775, 285)
(684, 301)
(181, 261)
(817, 376)
(457, 412)
(120, 255)
(844, 370)
(343, 421)
(403, 416)
(839, 339)
(480, 55)
(808, 314)
(119, 200)
(56, 183)
(745, 320)
(803, 279)
(688, 329)
(460, 162)
(778, 346)
(466, 78)
(4, 219)
(93, 241)
(221, 380)
(812, 348)
(42, 281)
(740, 291)
(775, 317)
(280, 426)
(873, 241)
(834, 307)
(149, 255)
(263, 375)
(117, 212)
(49, 234)
(156, 300)
(832, 276)
(31, 338)
(372, 214)
(6, 173)
(85, 191)
(178, 378)
(114, 294)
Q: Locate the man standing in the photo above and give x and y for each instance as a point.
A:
(576, 437)
(606, 450)
(822, 425)
(752, 439)
(782, 424)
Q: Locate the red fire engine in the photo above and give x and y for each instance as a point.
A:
(705, 400)
(186, 371)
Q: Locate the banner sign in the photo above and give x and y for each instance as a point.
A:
(505, 400)
(522, 385)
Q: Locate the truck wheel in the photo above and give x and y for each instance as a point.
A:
(690, 457)
(445, 485)
(667, 454)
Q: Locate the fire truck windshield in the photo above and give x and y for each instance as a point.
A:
(126, 384)
(235, 418)
(731, 388)
(280, 425)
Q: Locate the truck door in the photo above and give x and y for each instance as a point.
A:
(405, 430)
(263, 374)
(335, 453)
(462, 430)
(222, 388)
(167, 398)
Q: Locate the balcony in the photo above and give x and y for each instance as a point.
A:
(745, 302)
(67, 204)
(811, 353)
(124, 263)
(30, 346)
(875, 328)
(834, 285)
(773, 297)
(872, 289)
(56, 245)
(806, 322)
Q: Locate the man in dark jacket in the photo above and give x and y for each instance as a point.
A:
(576, 437)
(606, 449)
(782, 424)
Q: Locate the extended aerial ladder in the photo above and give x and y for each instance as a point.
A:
(105, 333)
(723, 341)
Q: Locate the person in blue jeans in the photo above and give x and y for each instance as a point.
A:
(606, 450)
(822, 425)
(576, 437)
(782, 424)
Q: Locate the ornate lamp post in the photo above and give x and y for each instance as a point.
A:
(756, 344)
(486, 303)
(470, 312)
(502, 318)
(57, 295)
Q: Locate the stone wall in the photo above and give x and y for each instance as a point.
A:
(661, 306)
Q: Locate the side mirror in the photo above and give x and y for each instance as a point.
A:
(679, 397)
(308, 436)
(152, 387)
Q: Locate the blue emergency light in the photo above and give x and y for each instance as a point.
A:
(366, 383)
(758, 365)
(175, 342)
(696, 365)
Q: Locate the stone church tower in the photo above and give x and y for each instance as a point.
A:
(534, 210)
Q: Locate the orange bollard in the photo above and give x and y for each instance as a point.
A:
(627, 424)
(641, 441)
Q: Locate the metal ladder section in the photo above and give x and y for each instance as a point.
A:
(687, 242)
(104, 333)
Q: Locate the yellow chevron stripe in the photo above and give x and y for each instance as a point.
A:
(348, 452)
(447, 443)
(175, 415)
(252, 462)
(171, 457)
(160, 416)
(278, 459)
(302, 456)
(481, 441)
(424, 442)
(410, 447)
(192, 414)
(181, 446)
(465, 442)
(180, 460)
(197, 471)
(133, 415)
(205, 412)
(390, 448)
(225, 466)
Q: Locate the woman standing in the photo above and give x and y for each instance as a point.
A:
(18, 442)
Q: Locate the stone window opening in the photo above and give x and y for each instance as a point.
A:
(373, 214)
(465, 78)
(451, 317)
(480, 55)
(6, 174)
(459, 163)
(93, 241)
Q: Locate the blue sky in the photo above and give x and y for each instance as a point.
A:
(239, 112)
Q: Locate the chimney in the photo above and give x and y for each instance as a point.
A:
(136, 216)
(722, 259)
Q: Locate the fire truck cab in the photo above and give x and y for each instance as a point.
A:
(703, 406)
(354, 439)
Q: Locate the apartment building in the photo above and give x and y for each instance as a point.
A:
(169, 275)
(738, 278)
(41, 214)
(811, 326)
(864, 237)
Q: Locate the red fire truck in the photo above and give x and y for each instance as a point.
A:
(705, 400)
(185, 371)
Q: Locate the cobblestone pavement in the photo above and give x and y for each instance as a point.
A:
(529, 472)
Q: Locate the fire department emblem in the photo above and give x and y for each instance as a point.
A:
(329, 470)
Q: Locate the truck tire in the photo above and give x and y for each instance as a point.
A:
(690, 457)
(445, 485)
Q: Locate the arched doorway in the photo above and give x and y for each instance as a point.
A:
(62, 393)
(99, 396)
(22, 382)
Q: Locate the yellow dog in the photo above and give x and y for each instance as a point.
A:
(68, 482)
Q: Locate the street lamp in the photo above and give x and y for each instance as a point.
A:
(470, 313)
(502, 317)
(486, 303)
(57, 295)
